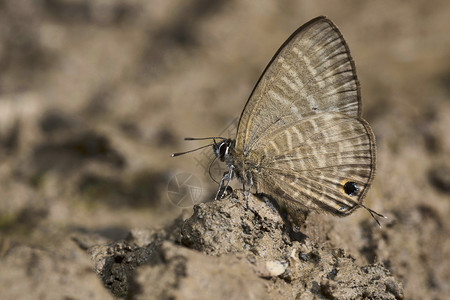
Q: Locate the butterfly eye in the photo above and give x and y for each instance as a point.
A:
(350, 188)
(223, 150)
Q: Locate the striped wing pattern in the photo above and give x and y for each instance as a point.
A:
(312, 159)
(301, 134)
(312, 72)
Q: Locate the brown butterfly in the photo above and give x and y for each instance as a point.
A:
(301, 138)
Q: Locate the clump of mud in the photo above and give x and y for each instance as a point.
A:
(236, 249)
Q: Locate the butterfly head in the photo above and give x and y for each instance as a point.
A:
(222, 149)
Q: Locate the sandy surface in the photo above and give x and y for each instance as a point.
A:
(95, 95)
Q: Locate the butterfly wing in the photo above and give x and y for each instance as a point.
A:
(306, 164)
(311, 73)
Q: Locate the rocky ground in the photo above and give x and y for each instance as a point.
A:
(95, 95)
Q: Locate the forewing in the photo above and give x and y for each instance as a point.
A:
(311, 73)
(306, 164)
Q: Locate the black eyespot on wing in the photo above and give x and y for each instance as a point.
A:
(350, 188)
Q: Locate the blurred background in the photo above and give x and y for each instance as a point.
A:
(96, 94)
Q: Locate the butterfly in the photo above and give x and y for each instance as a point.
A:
(301, 138)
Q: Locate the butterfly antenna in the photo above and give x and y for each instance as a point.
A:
(373, 214)
(206, 138)
(181, 153)
(209, 170)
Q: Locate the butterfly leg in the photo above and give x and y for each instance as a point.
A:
(227, 176)
(250, 180)
(220, 187)
(248, 184)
